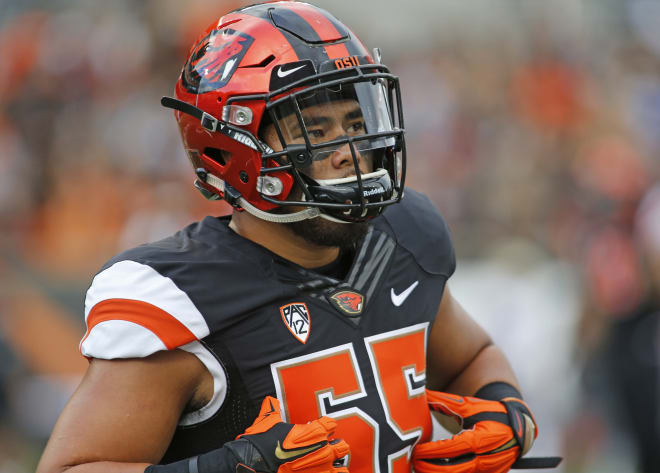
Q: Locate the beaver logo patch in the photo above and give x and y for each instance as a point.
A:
(349, 302)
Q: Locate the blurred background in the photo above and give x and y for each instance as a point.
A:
(533, 125)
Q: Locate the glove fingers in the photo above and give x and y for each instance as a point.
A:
(462, 406)
(339, 448)
(313, 432)
(423, 466)
(448, 404)
(269, 406)
(269, 415)
(449, 448)
(328, 424)
(498, 462)
(484, 438)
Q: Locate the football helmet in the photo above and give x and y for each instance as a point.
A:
(283, 67)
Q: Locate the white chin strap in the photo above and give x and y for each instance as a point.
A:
(310, 212)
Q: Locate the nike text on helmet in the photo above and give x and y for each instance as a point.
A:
(267, 66)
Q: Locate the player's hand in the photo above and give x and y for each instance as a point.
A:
(494, 434)
(270, 445)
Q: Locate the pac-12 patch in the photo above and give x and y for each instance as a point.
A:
(349, 302)
(296, 319)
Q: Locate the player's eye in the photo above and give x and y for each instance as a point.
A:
(316, 133)
(356, 128)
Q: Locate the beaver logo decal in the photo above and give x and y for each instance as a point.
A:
(214, 59)
(349, 302)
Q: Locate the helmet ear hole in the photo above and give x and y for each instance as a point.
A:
(219, 156)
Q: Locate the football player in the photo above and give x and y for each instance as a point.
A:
(312, 330)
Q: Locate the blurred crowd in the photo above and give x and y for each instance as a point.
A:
(539, 142)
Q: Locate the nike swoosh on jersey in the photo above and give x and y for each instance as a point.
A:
(285, 455)
(281, 73)
(397, 299)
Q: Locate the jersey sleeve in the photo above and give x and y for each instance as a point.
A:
(132, 311)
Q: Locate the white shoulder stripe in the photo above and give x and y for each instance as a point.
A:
(120, 339)
(136, 281)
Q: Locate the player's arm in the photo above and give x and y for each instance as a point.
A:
(461, 355)
(122, 418)
(124, 413)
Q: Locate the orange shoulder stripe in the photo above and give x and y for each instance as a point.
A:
(170, 331)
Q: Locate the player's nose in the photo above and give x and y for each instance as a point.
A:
(343, 157)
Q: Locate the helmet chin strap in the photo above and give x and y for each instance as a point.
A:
(310, 212)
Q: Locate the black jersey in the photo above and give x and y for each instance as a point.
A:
(353, 349)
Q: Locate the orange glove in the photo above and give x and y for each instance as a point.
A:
(494, 434)
(270, 445)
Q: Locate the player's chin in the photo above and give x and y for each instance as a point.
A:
(321, 232)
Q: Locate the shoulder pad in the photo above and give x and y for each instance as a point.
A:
(418, 227)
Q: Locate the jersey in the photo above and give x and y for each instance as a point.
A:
(352, 348)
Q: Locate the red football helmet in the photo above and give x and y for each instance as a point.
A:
(265, 66)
